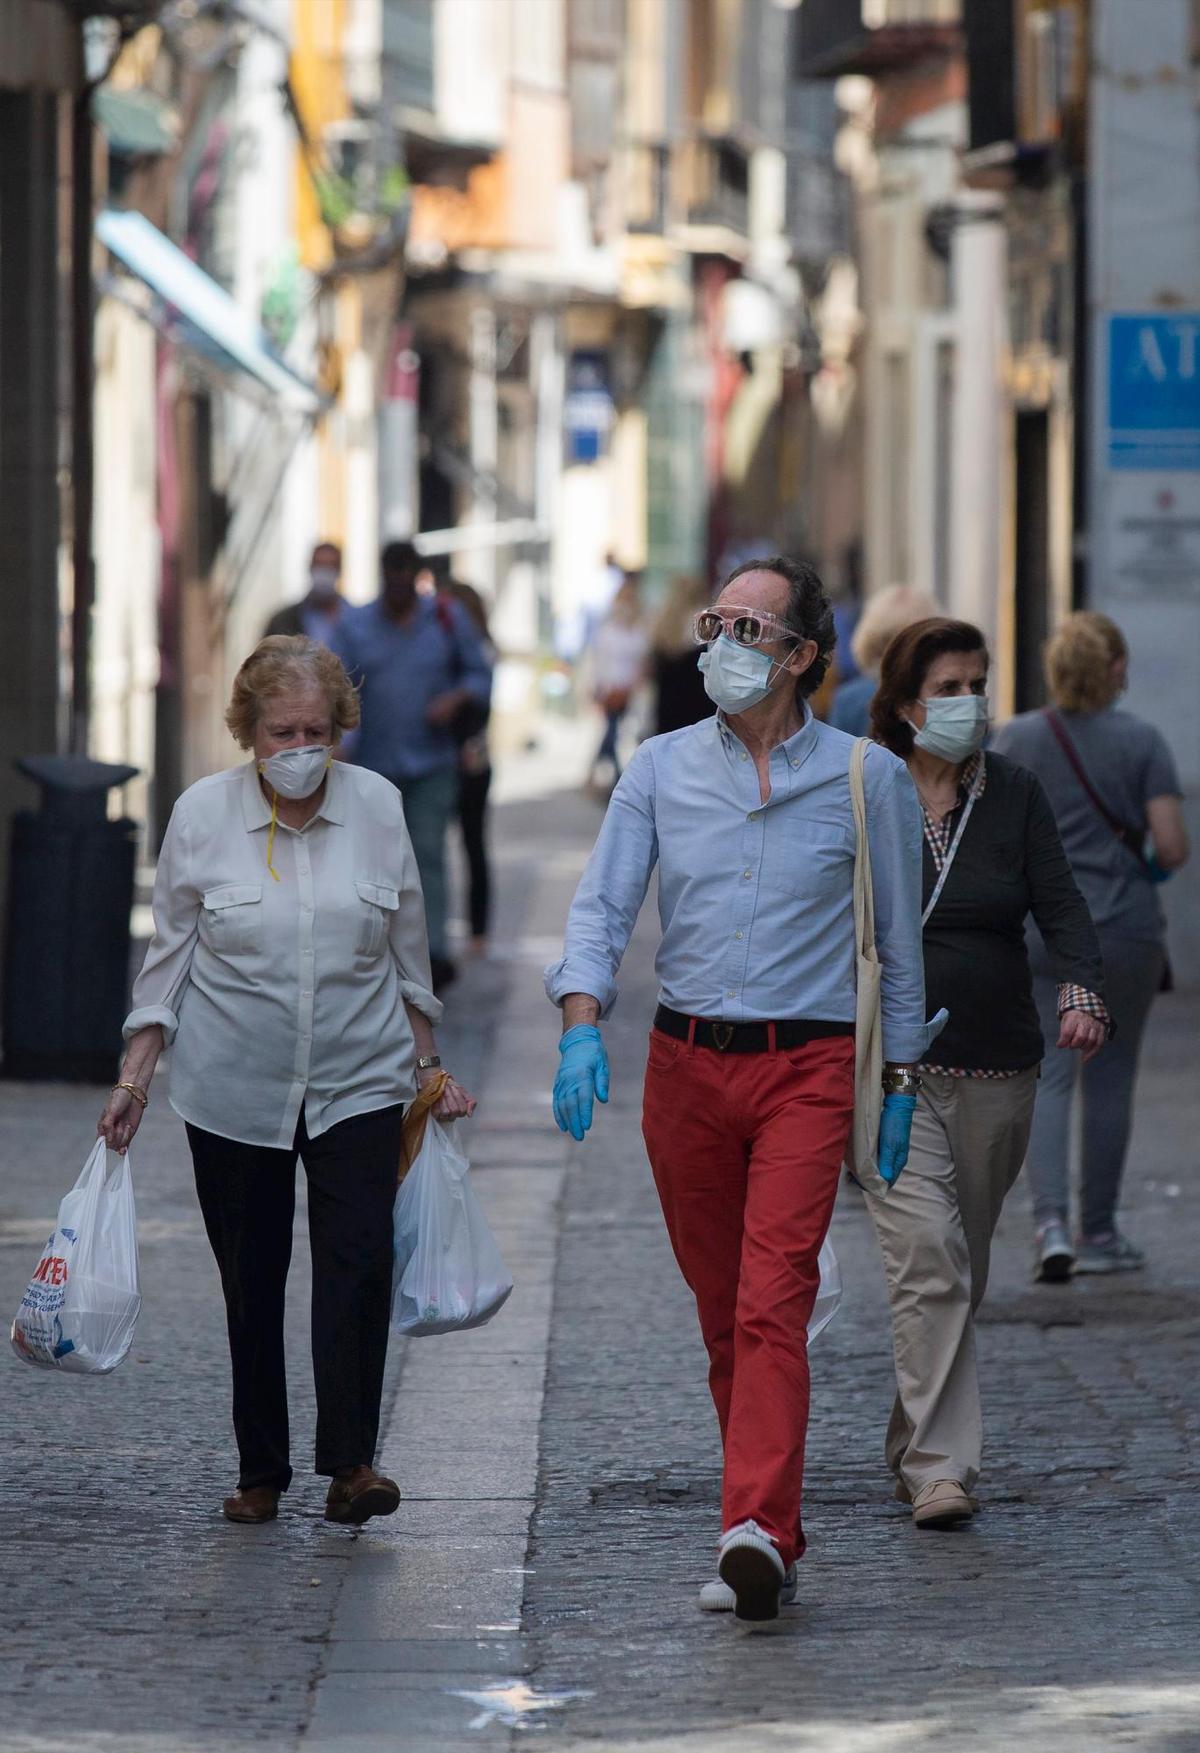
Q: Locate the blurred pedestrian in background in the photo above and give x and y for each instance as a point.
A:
(618, 657)
(992, 856)
(750, 1083)
(475, 774)
(418, 662)
(887, 613)
(317, 614)
(289, 973)
(1114, 788)
(679, 695)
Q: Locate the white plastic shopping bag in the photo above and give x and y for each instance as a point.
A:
(81, 1305)
(829, 1291)
(448, 1272)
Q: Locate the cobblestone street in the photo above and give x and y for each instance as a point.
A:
(560, 1467)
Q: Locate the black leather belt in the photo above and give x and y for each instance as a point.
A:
(744, 1037)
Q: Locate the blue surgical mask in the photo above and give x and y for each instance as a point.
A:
(736, 677)
(954, 728)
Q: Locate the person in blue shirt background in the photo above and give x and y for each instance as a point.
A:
(750, 1084)
(418, 663)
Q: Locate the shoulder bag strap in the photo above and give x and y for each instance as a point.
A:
(864, 893)
(1130, 838)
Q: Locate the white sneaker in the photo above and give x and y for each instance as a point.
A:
(750, 1565)
(718, 1597)
(1054, 1257)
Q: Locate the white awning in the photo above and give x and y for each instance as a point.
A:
(203, 315)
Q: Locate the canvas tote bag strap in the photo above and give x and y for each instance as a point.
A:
(864, 893)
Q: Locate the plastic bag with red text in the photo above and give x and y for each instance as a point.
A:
(81, 1305)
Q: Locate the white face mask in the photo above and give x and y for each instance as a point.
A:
(954, 728)
(296, 772)
(737, 677)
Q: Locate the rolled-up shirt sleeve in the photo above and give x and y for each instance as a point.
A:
(894, 835)
(159, 987)
(409, 940)
(610, 893)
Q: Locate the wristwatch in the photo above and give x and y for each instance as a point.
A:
(899, 1080)
(430, 1062)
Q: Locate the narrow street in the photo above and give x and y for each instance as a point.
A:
(560, 1467)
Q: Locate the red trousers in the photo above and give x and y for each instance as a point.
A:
(746, 1151)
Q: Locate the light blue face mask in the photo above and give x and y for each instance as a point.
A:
(736, 677)
(954, 728)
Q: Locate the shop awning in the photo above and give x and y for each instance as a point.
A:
(202, 315)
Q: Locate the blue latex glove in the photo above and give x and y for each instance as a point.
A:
(895, 1127)
(582, 1074)
(1155, 870)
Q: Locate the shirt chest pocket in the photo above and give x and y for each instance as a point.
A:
(232, 918)
(377, 902)
(807, 855)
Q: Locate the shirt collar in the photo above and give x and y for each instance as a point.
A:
(797, 746)
(975, 767)
(256, 811)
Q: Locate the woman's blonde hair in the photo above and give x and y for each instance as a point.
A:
(673, 629)
(887, 613)
(1079, 661)
(282, 662)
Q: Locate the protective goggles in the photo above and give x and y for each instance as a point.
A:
(744, 626)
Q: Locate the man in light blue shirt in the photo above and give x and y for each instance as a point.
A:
(418, 662)
(750, 1085)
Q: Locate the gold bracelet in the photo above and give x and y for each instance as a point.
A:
(138, 1094)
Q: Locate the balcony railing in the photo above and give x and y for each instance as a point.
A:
(868, 36)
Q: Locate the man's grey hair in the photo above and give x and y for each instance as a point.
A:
(809, 612)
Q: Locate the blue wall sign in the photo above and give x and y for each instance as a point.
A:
(1154, 391)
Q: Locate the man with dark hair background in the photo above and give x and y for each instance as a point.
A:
(418, 662)
(750, 1084)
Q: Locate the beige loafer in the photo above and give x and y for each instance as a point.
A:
(942, 1504)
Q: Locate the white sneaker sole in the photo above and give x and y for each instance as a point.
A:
(718, 1597)
(755, 1576)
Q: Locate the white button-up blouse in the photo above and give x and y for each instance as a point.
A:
(284, 996)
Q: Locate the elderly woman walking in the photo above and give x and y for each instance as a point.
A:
(289, 974)
(992, 856)
(1115, 790)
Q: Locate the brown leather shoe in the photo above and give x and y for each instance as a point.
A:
(258, 1503)
(360, 1493)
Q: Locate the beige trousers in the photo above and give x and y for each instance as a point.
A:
(935, 1231)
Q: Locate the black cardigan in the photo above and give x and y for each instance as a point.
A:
(1009, 863)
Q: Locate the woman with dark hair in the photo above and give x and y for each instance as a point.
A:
(992, 856)
(1114, 786)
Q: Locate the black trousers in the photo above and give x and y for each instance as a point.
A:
(472, 815)
(248, 1198)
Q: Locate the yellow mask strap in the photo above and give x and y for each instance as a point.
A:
(271, 836)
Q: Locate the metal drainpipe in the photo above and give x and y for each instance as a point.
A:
(82, 475)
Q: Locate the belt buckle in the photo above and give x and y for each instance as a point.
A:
(722, 1035)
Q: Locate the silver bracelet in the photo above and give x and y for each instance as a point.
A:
(431, 1062)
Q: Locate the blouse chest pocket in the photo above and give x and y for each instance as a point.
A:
(232, 918)
(377, 903)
